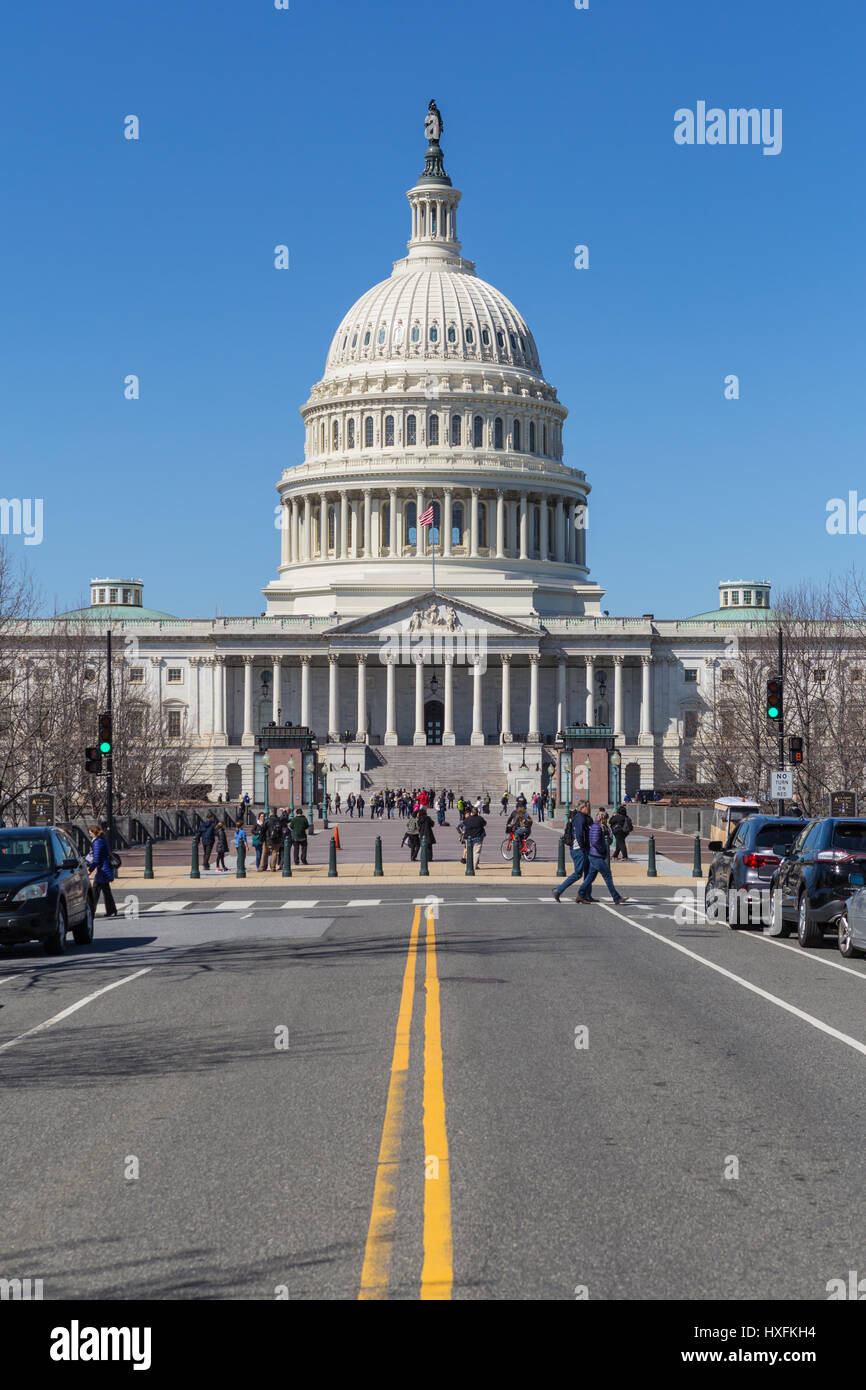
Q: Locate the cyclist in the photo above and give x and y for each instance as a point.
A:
(519, 823)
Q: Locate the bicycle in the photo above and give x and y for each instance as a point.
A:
(528, 848)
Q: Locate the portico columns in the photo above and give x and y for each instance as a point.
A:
(392, 522)
(561, 695)
(544, 529)
(285, 534)
(617, 697)
(558, 547)
(420, 738)
(533, 734)
(323, 526)
(361, 734)
(275, 691)
(477, 736)
(344, 525)
(589, 715)
(419, 529)
(305, 691)
(368, 523)
(446, 526)
(308, 530)
(247, 739)
(390, 702)
(646, 716)
(523, 526)
(473, 527)
(500, 527)
(333, 696)
(448, 722)
(219, 680)
(506, 735)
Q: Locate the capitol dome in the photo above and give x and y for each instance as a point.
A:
(433, 395)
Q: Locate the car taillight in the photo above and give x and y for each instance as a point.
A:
(759, 861)
(834, 854)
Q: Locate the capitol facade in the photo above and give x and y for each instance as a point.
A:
(432, 611)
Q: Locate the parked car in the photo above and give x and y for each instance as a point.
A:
(852, 923)
(45, 890)
(745, 863)
(812, 884)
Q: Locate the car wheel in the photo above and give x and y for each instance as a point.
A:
(778, 926)
(83, 933)
(846, 942)
(55, 944)
(808, 932)
(715, 897)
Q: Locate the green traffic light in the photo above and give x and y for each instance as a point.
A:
(105, 746)
(772, 713)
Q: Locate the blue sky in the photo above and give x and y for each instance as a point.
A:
(261, 126)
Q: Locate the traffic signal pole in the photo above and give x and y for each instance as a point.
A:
(109, 771)
(781, 803)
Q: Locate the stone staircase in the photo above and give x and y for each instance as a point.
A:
(470, 770)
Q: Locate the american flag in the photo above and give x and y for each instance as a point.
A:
(427, 518)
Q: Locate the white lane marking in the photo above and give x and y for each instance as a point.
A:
(245, 916)
(302, 903)
(738, 979)
(495, 900)
(233, 906)
(74, 1007)
(7, 978)
(364, 902)
(799, 953)
(169, 907)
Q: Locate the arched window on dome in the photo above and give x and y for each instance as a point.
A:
(354, 340)
(410, 528)
(513, 342)
(478, 432)
(368, 432)
(381, 337)
(433, 430)
(485, 337)
(416, 333)
(456, 429)
(500, 338)
(350, 434)
(335, 434)
(452, 333)
(398, 335)
(345, 341)
(411, 431)
(457, 524)
(389, 431)
(516, 436)
(434, 333)
(532, 436)
(482, 525)
(497, 432)
(367, 338)
(470, 335)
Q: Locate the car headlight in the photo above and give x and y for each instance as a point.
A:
(32, 890)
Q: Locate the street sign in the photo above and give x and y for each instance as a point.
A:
(40, 810)
(782, 785)
(843, 803)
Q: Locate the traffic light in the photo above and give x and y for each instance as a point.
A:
(795, 750)
(105, 734)
(92, 760)
(774, 698)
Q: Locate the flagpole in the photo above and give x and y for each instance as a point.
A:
(433, 555)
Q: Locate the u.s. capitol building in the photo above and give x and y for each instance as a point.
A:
(433, 395)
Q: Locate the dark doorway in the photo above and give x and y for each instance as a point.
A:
(434, 714)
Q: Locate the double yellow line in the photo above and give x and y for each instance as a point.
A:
(437, 1274)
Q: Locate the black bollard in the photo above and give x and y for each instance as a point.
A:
(424, 872)
(651, 858)
(287, 857)
(148, 858)
(560, 858)
(194, 873)
(241, 870)
(378, 871)
(515, 858)
(332, 859)
(697, 871)
(470, 859)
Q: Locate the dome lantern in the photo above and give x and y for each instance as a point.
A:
(434, 201)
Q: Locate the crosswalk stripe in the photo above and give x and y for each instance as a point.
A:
(364, 902)
(302, 902)
(486, 900)
(234, 906)
(168, 907)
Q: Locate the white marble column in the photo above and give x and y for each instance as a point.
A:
(323, 526)
(506, 735)
(306, 661)
(590, 691)
(524, 553)
(617, 697)
(500, 526)
(344, 525)
(368, 523)
(393, 548)
(308, 530)
(477, 736)
(447, 525)
(561, 695)
(248, 739)
(285, 534)
(276, 700)
(448, 739)
(391, 702)
(646, 713)
(219, 677)
(362, 698)
(195, 696)
(420, 737)
(333, 696)
(419, 529)
(533, 734)
(473, 526)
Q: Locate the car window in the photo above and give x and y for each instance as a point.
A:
(737, 840)
(813, 837)
(69, 850)
(776, 834)
(57, 846)
(800, 841)
(23, 854)
(850, 836)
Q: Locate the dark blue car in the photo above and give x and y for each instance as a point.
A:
(812, 884)
(45, 891)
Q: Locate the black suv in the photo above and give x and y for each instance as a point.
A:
(811, 885)
(45, 890)
(745, 866)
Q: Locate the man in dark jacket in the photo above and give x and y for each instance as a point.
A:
(206, 838)
(621, 825)
(599, 863)
(273, 841)
(578, 831)
(474, 827)
(299, 825)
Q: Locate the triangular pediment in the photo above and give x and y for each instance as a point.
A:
(433, 613)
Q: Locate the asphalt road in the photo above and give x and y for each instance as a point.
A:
(359, 1093)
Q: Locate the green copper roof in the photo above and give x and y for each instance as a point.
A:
(113, 613)
(734, 613)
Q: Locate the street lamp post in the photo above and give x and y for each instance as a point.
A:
(324, 766)
(266, 764)
(616, 762)
(292, 783)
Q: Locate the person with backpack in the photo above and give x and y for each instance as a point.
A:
(298, 826)
(273, 835)
(576, 836)
(621, 824)
(206, 838)
(599, 863)
(412, 837)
